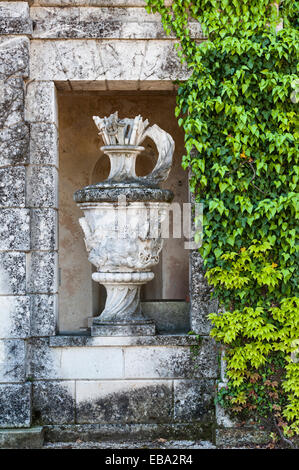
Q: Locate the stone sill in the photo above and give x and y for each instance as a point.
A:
(71, 339)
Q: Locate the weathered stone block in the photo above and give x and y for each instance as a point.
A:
(40, 363)
(75, 363)
(12, 360)
(148, 362)
(41, 102)
(44, 229)
(14, 229)
(100, 23)
(238, 437)
(201, 302)
(12, 273)
(15, 316)
(53, 402)
(14, 18)
(66, 60)
(124, 401)
(194, 400)
(12, 187)
(108, 3)
(14, 57)
(91, 363)
(15, 405)
(11, 101)
(43, 315)
(42, 272)
(200, 310)
(32, 438)
(43, 144)
(42, 186)
(222, 418)
(106, 60)
(162, 63)
(14, 144)
(121, 61)
(114, 23)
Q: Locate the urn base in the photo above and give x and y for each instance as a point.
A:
(122, 315)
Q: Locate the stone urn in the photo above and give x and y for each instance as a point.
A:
(122, 223)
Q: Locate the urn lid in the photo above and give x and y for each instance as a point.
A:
(133, 193)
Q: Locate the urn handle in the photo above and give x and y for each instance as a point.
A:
(165, 146)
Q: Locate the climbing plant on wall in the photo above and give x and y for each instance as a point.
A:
(238, 111)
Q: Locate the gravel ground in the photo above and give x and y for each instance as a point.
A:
(158, 444)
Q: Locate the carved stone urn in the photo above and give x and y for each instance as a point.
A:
(122, 223)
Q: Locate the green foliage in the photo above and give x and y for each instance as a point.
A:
(238, 111)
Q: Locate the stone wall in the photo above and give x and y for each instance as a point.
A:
(71, 381)
(161, 383)
(15, 229)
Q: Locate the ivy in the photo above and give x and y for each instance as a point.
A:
(238, 112)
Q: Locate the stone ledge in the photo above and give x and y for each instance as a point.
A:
(116, 361)
(146, 328)
(70, 340)
(32, 438)
(132, 444)
(96, 432)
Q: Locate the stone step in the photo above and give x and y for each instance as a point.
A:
(26, 438)
(128, 433)
(134, 444)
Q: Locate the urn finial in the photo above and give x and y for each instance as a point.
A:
(123, 139)
(115, 131)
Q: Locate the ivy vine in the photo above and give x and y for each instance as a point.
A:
(238, 111)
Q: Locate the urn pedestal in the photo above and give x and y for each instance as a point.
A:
(122, 225)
